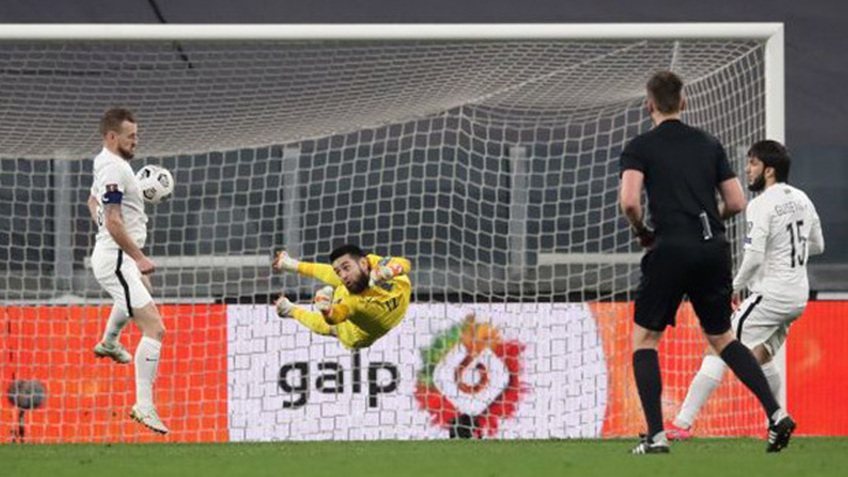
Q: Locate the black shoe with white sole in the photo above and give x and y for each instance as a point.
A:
(779, 434)
(654, 445)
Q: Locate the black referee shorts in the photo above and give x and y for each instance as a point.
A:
(701, 270)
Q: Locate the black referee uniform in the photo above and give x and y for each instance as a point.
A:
(683, 167)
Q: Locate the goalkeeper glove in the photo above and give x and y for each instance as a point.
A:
(284, 261)
(324, 300)
(383, 273)
(284, 307)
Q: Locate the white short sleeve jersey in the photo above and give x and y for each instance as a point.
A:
(114, 180)
(780, 222)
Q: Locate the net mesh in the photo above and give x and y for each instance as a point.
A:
(492, 165)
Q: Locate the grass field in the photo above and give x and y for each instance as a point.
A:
(722, 458)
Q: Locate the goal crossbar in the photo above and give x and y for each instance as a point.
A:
(611, 31)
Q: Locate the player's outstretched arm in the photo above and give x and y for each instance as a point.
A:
(310, 319)
(285, 262)
(386, 268)
(402, 264)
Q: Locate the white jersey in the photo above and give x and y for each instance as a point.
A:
(783, 225)
(114, 174)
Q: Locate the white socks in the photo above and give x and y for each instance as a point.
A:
(773, 378)
(117, 320)
(146, 365)
(708, 378)
(778, 415)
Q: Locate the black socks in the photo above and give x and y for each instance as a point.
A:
(743, 363)
(646, 369)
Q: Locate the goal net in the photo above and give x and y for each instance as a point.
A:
(489, 160)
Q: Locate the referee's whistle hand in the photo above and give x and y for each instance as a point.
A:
(646, 239)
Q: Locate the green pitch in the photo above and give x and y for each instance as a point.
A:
(723, 458)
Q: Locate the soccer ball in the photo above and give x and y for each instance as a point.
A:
(156, 183)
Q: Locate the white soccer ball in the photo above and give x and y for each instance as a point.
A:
(156, 183)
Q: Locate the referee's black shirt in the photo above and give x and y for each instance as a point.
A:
(683, 167)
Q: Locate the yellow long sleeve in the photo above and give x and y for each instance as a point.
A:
(319, 271)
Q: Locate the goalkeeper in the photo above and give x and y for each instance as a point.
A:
(365, 297)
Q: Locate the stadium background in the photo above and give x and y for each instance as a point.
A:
(816, 110)
(815, 122)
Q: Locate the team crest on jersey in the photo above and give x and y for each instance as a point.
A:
(470, 379)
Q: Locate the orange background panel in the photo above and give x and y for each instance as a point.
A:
(731, 411)
(817, 369)
(88, 399)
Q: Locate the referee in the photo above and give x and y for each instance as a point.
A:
(687, 252)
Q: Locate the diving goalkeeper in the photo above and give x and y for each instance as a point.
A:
(365, 297)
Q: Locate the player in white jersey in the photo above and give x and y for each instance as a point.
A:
(783, 230)
(117, 206)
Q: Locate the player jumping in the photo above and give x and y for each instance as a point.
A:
(365, 297)
(119, 264)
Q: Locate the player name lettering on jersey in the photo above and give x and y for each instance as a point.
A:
(789, 208)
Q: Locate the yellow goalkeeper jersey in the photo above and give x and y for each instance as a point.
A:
(363, 318)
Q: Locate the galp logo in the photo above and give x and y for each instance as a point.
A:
(470, 379)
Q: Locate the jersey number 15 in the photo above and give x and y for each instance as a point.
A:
(799, 243)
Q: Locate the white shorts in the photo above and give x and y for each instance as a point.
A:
(763, 321)
(118, 274)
